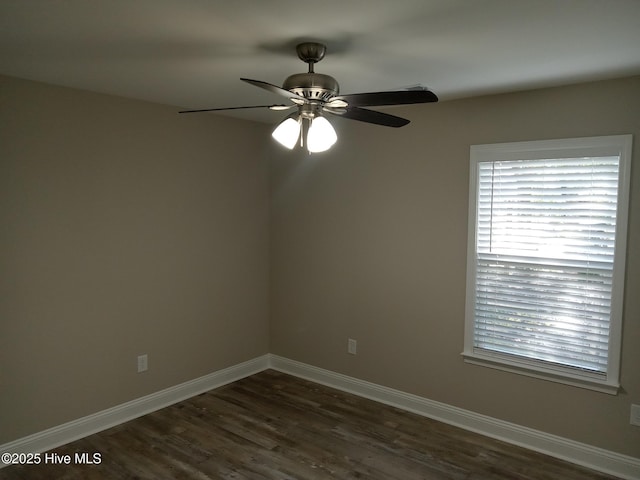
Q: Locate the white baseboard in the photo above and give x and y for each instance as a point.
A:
(596, 458)
(82, 427)
(605, 461)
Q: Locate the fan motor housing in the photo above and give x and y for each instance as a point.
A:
(313, 86)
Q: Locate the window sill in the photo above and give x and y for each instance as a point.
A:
(528, 369)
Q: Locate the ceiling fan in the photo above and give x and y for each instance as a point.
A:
(314, 94)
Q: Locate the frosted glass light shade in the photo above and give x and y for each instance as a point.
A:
(287, 133)
(321, 135)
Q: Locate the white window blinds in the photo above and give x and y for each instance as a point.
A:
(545, 245)
(543, 261)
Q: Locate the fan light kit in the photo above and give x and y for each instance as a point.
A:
(315, 94)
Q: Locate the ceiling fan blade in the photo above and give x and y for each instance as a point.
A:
(277, 90)
(369, 116)
(398, 97)
(273, 107)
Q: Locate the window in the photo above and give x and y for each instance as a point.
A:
(546, 258)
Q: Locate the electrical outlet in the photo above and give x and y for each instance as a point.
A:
(143, 364)
(352, 346)
(635, 415)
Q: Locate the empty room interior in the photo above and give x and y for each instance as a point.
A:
(150, 256)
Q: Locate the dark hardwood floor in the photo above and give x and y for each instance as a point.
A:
(275, 426)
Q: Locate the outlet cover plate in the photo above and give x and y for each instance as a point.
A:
(635, 415)
(143, 364)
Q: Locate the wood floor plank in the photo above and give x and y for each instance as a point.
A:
(275, 426)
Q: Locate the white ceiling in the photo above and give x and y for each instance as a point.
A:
(191, 53)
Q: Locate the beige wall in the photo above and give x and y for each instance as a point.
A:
(369, 240)
(126, 229)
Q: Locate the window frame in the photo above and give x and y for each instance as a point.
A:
(544, 149)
